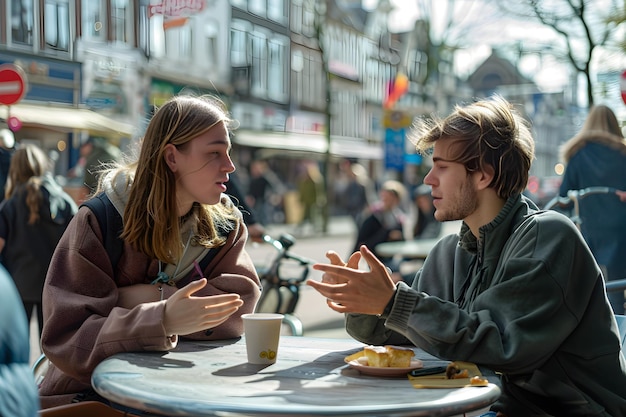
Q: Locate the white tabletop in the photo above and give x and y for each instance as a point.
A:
(414, 249)
(310, 378)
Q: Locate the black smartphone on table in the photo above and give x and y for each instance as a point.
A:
(432, 370)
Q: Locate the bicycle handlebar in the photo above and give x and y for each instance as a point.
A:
(282, 244)
(574, 195)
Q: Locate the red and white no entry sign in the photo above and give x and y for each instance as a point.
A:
(12, 84)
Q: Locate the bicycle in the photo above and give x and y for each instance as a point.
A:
(573, 198)
(281, 282)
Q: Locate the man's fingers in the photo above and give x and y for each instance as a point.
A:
(336, 306)
(334, 258)
(321, 285)
(371, 259)
(354, 260)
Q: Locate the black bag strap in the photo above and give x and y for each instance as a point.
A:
(111, 225)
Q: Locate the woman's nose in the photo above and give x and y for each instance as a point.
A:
(229, 166)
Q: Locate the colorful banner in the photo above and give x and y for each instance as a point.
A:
(176, 12)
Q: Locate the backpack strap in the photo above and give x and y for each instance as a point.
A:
(213, 251)
(111, 225)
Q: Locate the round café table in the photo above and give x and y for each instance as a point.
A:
(310, 378)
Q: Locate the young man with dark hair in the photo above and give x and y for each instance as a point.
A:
(517, 291)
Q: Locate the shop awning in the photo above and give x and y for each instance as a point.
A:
(309, 143)
(69, 118)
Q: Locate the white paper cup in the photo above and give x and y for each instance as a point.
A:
(262, 333)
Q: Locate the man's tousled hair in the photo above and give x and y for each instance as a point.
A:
(487, 134)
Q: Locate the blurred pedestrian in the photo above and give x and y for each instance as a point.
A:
(596, 156)
(259, 190)
(33, 217)
(359, 192)
(184, 270)
(425, 225)
(255, 229)
(99, 154)
(7, 147)
(384, 220)
(312, 194)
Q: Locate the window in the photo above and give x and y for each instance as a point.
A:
(92, 20)
(267, 57)
(22, 21)
(259, 63)
(211, 33)
(238, 43)
(178, 43)
(120, 18)
(157, 36)
(296, 16)
(277, 85)
(276, 11)
(144, 28)
(257, 7)
(308, 78)
(308, 19)
(56, 25)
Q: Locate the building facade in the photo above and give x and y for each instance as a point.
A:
(305, 79)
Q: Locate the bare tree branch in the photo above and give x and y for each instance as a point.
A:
(583, 25)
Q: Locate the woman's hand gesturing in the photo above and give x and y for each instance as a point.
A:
(185, 314)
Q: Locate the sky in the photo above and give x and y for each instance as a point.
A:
(404, 13)
(550, 76)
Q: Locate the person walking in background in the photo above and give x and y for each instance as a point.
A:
(425, 225)
(357, 195)
(259, 188)
(384, 220)
(98, 153)
(516, 291)
(596, 156)
(184, 270)
(255, 229)
(33, 217)
(7, 147)
(312, 196)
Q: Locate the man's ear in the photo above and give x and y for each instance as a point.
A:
(170, 155)
(484, 177)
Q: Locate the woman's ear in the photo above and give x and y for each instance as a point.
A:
(170, 157)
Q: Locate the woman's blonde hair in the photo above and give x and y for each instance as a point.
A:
(151, 222)
(485, 133)
(28, 165)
